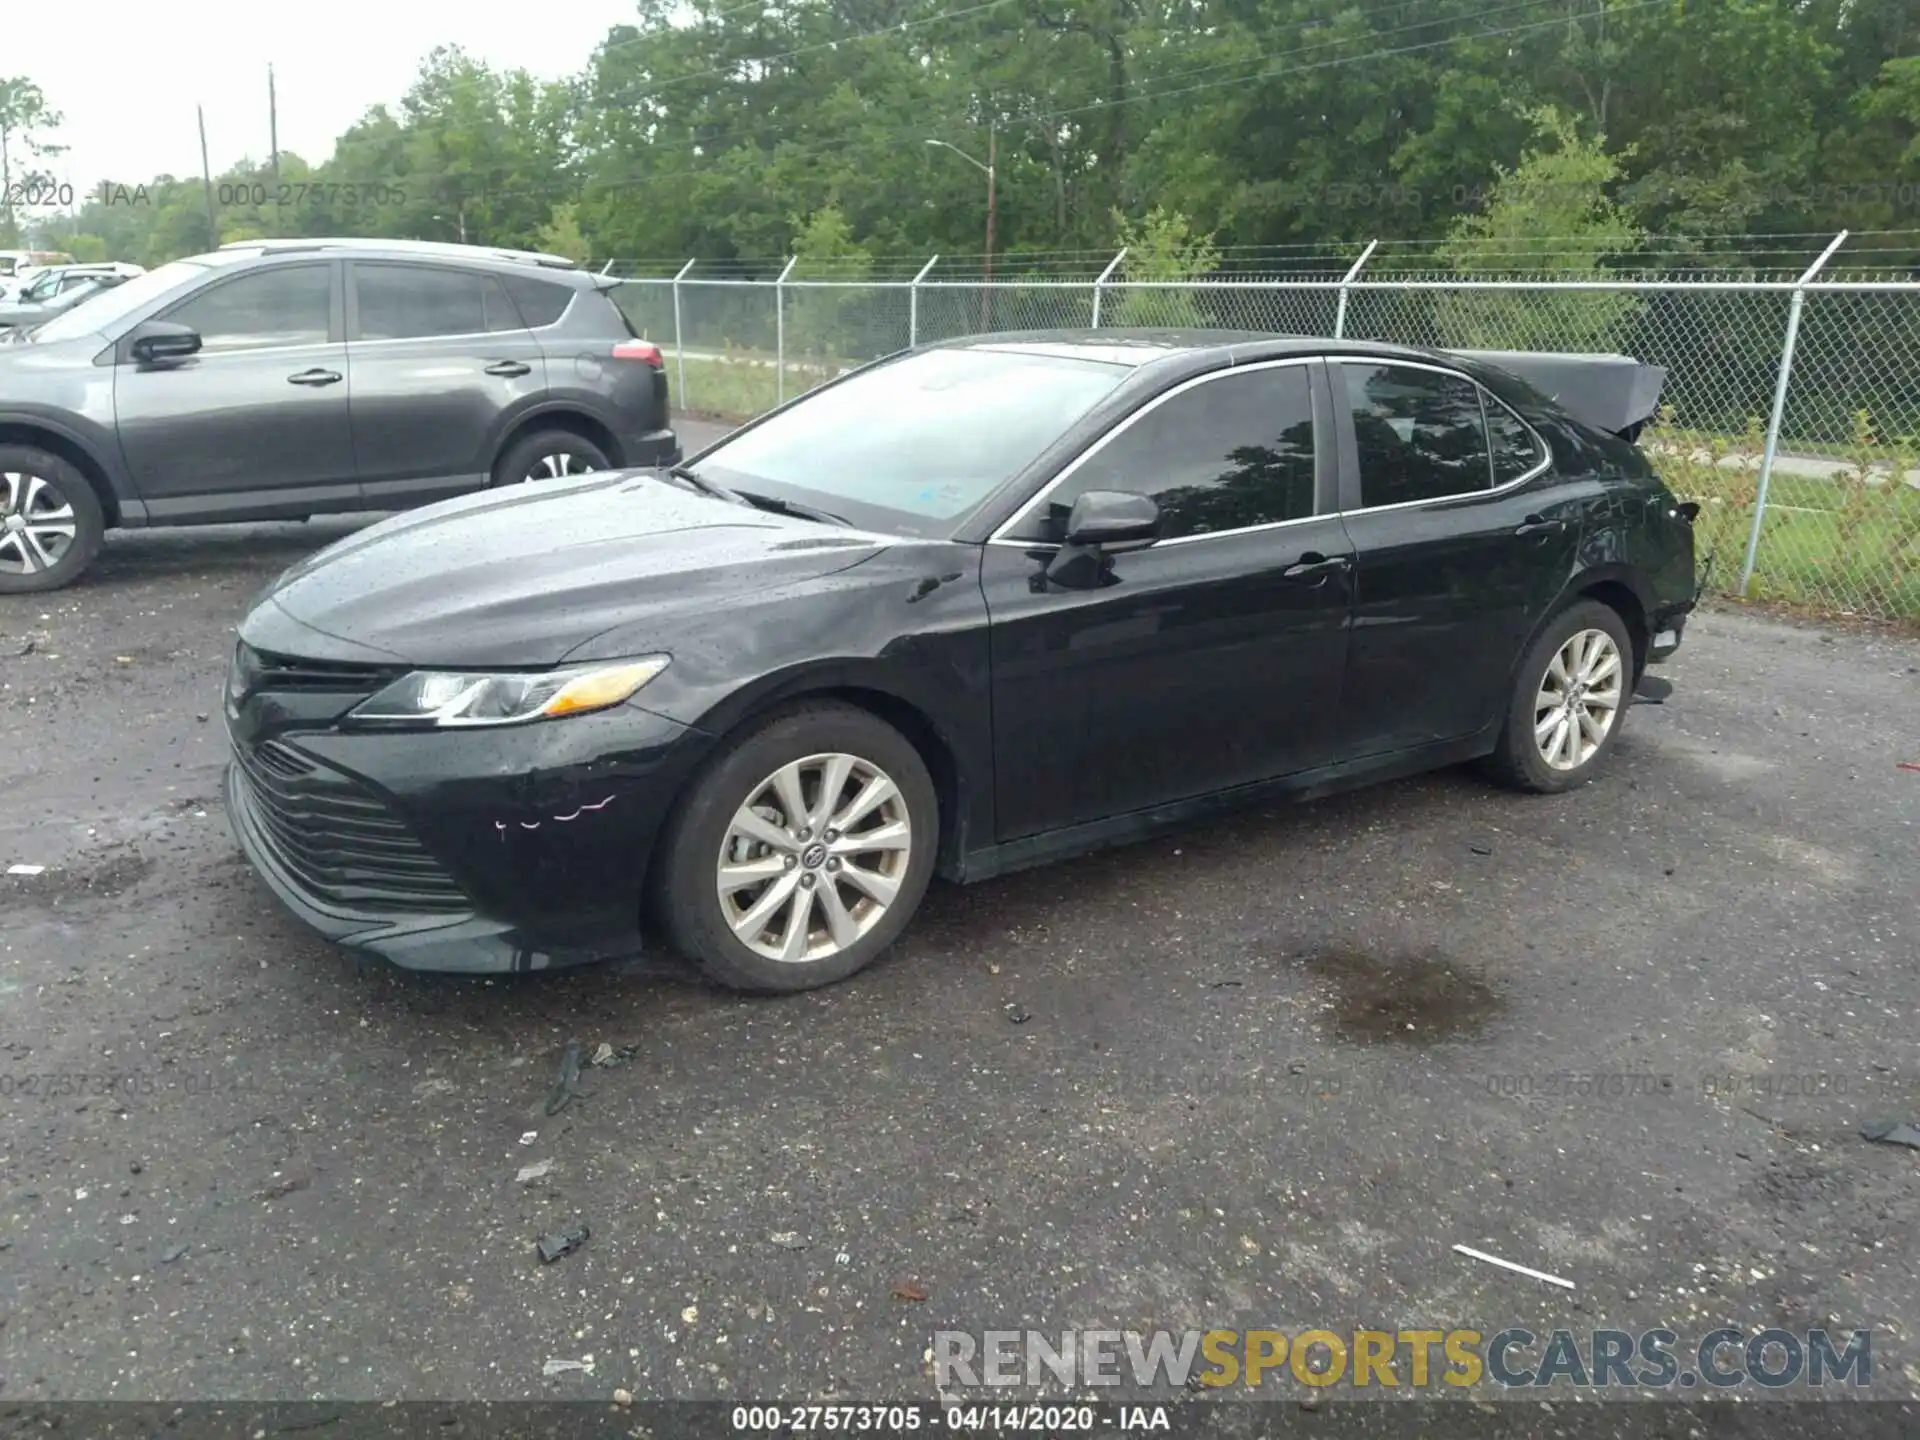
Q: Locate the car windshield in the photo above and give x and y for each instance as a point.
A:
(915, 443)
(103, 308)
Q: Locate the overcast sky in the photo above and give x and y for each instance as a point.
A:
(127, 78)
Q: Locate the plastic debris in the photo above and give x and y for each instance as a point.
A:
(1892, 1132)
(1509, 1265)
(788, 1240)
(529, 1137)
(1018, 1014)
(603, 1055)
(582, 1366)
(553, 1247)
(178, 1253)
(530, 1173)
(567, 1087)
(26, 869)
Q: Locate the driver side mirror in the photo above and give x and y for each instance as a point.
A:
(1113, 521)
(159, 340)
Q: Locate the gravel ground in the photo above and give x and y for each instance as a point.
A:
(1260, 1074)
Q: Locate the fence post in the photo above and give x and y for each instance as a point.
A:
(913, 303)
(679, 345)
(1340, 315)
(780, 333)
(1112, 265)
(1794, 307)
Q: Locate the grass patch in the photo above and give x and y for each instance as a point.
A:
(1847, 543)
(741, 386)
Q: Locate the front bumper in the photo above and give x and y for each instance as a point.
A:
(1668, 630)
(481, 851)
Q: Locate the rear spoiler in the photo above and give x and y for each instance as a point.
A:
(1614, 393)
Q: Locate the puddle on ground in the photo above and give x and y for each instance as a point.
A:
(1402, 997)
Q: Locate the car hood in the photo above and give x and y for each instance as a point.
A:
(521, 577)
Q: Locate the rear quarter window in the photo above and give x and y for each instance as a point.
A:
(541, 302)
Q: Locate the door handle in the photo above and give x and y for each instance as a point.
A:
(1538, 525)
(315, 377)
(1314, 567)
(509, 369)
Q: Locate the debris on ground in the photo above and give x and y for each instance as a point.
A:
(908, 1290)
(567, 1088)
(1481, 849)
(1509, 1265)
(623, 1398)
(1908, 765)
(604, 1055)
(583, 1366)
(179, 1252)
(530, 1173)
(529, 1137)
(1018, 1014)
(1892, 1132)
(280, 1189)
(787, 1240)
(553, 1247)
(26, 869)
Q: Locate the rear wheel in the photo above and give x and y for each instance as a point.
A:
(51, 524)
(1568, 702)
(802, 852)
(548, 455)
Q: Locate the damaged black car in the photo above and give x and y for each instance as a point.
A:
(972, 607)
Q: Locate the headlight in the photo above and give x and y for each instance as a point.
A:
(452, 698)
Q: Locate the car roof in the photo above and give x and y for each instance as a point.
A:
(404, 249)
(1200, 349)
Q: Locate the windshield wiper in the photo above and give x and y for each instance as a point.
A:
(704, 485)
(793, 508)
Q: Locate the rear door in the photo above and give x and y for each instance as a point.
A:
(1211, 659)
(256, 422)
(1456, 554)
(439, 354)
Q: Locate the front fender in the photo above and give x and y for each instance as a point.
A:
(99, 446)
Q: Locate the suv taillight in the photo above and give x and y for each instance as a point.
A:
(644, 351)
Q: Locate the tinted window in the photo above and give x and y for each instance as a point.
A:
(917, 441)
(1224, 455)
(1418, 433)
(1516, 449)
(413, 302)
(541, 302)
(287, 305)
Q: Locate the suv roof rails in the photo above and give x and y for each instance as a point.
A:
(417, 247)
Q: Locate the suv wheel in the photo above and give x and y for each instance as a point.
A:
(548, 455)
(802, 852)
(1568, 702)
(51, 524)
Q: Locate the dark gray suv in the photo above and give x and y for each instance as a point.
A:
(275, 380)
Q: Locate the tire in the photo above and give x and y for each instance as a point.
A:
(815, 739)
(545, 455)
(51, 523)
(1520, 758)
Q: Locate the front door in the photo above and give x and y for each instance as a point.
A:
(1213, 658)
(258, 418)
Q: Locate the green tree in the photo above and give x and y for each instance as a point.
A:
(826, 319)
(1549, 215)
(25, 124)
(1162, 251)
(561, 234)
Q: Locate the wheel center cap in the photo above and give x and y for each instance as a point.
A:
(16, 523)
(814, 856)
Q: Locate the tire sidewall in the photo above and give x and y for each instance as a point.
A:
(1523, 758)
(520, 456)
(688, 901)
(90, 520)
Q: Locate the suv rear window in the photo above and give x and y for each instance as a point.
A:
(541, 302)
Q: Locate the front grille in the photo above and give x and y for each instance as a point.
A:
(338, 841)
(256, 670)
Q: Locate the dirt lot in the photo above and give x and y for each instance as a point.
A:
(1264, 1073)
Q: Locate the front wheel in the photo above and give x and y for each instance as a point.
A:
(1568, 702)
(51, 524)
(802, 852)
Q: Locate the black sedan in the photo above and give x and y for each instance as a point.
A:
(970, 608)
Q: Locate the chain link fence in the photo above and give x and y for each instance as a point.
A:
(1791, 410)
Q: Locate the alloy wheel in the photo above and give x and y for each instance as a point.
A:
(814, 857)
(37, 523)
(1579, 699)
(559, 466)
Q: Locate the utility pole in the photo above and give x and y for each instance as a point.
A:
(273, 132)
(987, 304)
(206, 179)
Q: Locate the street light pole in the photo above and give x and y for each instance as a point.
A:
(986, 308)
